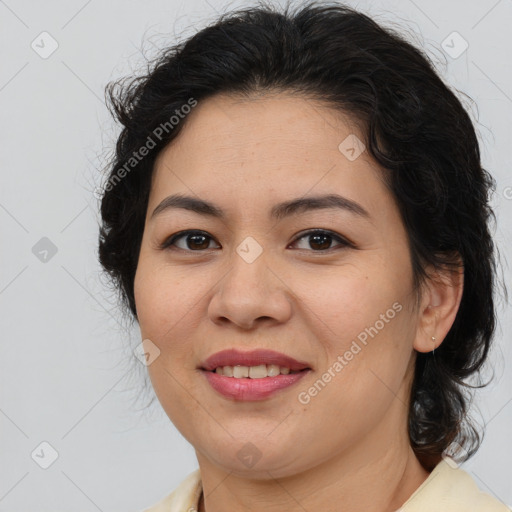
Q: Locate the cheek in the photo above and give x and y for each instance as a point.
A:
(345, 301)
(365, 319)
(165, 307)
(170, 305)
(149, 299)
(162, 296)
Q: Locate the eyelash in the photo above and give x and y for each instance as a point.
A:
(169, 242)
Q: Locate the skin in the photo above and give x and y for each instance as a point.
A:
(348, 447)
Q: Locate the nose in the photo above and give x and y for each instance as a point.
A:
(251, 293)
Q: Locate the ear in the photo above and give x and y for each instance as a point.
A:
(440, 302)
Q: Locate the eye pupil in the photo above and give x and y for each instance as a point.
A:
(318, 236)
(198, 236)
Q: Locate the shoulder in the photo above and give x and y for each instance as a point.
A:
(451, 489)
(184, 498)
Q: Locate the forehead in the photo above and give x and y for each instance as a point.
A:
(269, 132)
(236, 125)
(253, 149)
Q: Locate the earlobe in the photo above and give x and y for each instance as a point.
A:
(440, 304)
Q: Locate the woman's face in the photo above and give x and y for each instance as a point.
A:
(255, 281)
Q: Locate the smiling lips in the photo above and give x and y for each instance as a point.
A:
(252, 375)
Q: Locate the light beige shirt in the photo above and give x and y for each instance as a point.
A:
(447, 489)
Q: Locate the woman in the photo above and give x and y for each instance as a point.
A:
(297, 218)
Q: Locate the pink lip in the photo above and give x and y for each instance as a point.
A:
(233, 357)
(252, 389)
(247, 389)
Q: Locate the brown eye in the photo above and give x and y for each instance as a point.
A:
(193, 241)
(320, 240)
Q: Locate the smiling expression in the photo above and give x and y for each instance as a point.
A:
(265, 177)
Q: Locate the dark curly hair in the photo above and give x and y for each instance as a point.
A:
(414, 127)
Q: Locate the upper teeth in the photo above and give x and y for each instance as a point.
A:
(253, 372)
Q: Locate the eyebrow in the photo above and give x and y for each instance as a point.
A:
(279, 211)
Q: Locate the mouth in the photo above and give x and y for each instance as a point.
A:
(252, 376)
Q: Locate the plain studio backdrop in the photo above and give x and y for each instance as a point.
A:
(69, 382)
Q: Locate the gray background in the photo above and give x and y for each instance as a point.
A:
(67, 374)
